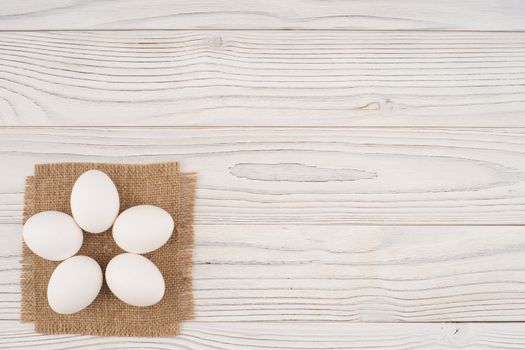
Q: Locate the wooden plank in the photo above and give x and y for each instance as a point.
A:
(268, 14)
(262, 78)
(286, 336)
(329, 176)
(339, 273)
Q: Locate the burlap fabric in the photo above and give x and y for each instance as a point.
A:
(157, 184)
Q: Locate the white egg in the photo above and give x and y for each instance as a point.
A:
(94, 201)
(74, 284)
(135, 280)
(52, 235)
(142, 229)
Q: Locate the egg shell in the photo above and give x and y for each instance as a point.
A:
(94, 201)
(74, 284)
(52, 235)
(135, 280)
(142, 229)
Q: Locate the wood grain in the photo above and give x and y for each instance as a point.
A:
(286, 336)
(317, 176)
(418, 218)
(262, 78)
(268, 14)
(339, 273)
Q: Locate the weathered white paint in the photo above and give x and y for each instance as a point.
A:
(267, 14)
(261, 78)
(340, 273)
(294, 224)
(286, 336)
(297, 176)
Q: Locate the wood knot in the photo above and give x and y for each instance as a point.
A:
(215, 42)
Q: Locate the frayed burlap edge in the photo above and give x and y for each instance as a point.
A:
(186, 245)
(59, 329)
(27, 309)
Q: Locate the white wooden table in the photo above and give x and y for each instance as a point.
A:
(361, 163)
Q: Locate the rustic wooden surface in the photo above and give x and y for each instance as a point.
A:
(261, 78)
(285, 336)
(361, 163)
(247, 273)
(296, 176)
(267, 14)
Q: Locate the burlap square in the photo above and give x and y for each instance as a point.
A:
(157, 184)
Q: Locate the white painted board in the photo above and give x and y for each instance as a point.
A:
(301, 176)
(259, 14)
(286, 336)
(262, 78)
